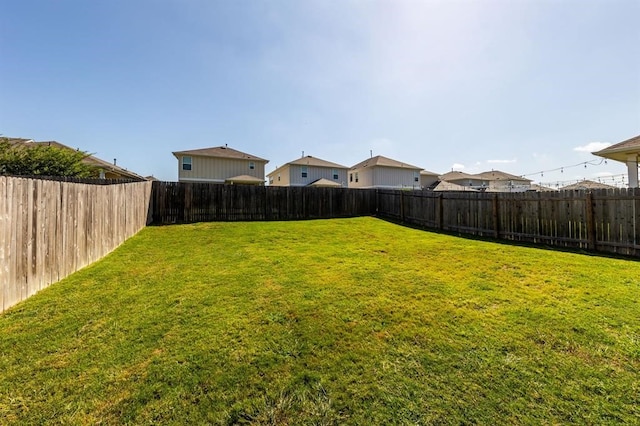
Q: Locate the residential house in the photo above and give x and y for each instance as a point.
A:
(220, 164)
(383, 172)
(586, 184)
(491, 181)
(627, 152)
(428, 180)
(309, 171)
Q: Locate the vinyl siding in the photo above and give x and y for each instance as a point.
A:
(284, 176)
(384, 177)
(213, 169)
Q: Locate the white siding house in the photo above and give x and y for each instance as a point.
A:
(220, 165)
(309, 171)
(383, 172)
(491, 181)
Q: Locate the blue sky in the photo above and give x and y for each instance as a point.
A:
(520, 86)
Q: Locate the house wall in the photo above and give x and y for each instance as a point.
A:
(509, 186)
(314, 173)
(216, 170)
(384, 177)
(428, 180)
(365, 178)
(284, 174)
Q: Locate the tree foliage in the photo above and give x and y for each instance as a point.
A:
(42, 160)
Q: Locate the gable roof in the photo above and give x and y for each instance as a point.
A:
(325, 182)
(220, 152)
(499, 175)
(456, 175)
(620, 150)
(380, 160)
(313, 161)
(244, 179)
(428, 173)
(587, 184)
(450, 186)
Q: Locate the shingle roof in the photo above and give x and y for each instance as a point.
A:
(499, 175)
(428, 173)
(313, 161)
(380, 160)
(456, 175)
(325, 182)
(620, 150)
(244, 179)
(449, 186)
(220, 152)
(587, 184)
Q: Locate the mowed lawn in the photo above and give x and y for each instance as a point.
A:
(351, 321)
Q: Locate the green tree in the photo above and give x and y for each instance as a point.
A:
(42, 160)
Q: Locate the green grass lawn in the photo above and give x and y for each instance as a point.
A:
(352, 321)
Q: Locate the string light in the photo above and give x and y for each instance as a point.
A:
(561, 169)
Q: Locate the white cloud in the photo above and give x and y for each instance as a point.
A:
(604, 174)
(592, 147)
(457, 166)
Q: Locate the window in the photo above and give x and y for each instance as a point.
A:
(186, 163)
(356, 177)
(334, 172)
(278, 177)
(416, 176)
(304, 171)
(350, 177)
(270, 180)
(252, 165)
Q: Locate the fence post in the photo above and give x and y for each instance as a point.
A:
(402, 205)
(591, 227)
(440, 209)
(496, 217)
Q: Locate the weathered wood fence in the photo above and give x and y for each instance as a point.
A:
(601, 220)
(174, 202)
(50, 229)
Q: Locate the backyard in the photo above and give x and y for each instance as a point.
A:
(342, 321)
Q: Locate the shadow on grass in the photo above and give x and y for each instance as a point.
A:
(515, 243)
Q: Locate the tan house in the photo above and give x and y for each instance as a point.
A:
(383, 172)
(309, 171)
(220, 164)
(626, 152)
(491, 181)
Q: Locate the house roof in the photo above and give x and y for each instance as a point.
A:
(325, 182)
(540, 188)
(309, 161)
(245, 179)
(97, 162)
(456, 175)
(220, 152)
(620, 151)
(380, 160)
(499, 175)
(449, 186)
(313, 161)
(586, 184)
(428, 173)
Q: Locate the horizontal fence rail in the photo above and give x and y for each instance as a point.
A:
(50, 229)
(180, 202)
(600, 220)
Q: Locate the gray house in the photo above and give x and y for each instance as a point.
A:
(309, 171)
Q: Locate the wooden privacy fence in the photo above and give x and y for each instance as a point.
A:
(601, 220)
(179, 202)
(50, 229)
